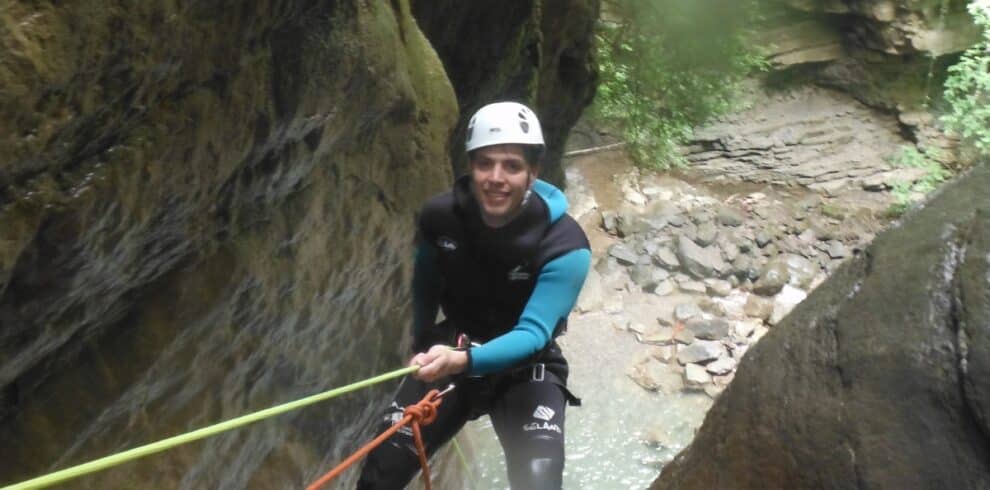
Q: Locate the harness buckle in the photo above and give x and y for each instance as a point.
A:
(539, 372)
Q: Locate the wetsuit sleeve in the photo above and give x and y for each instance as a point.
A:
(425, 293)
(556, 291)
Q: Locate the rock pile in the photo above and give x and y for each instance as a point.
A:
(741, 264)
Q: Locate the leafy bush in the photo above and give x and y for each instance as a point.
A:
(967, 88)
(906, 193)
(667, 66)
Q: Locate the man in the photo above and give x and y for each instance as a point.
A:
(505, 262)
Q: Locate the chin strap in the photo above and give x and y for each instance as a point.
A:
(529, 190)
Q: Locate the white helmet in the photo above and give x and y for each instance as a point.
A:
(501, 123)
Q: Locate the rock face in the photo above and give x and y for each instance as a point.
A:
(878, 380)
(808, 136)
(884, 58)
(206, 210)
(543, 56)
(900, 27)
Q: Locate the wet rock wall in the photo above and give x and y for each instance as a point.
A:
(544, 58)
(207, 209)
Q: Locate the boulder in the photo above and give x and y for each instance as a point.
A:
(718, 287)
(721, 366)
(629, 223)
(727, 216)
(701, 351)
(666, 259)
(623, 253)
(773, 277)
(801, 270)
(706, 234)
(699, 262)
(837, 250)
(713, 329)
(609, 221)
(644, 276)
(695, 376)
(664, 288)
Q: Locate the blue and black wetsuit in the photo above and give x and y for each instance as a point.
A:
(509, 289)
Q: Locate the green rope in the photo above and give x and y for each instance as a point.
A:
(119, 458)
(467, 468)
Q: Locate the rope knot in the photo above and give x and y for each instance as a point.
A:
(425, 411)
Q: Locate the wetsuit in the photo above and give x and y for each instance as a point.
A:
(509, 289)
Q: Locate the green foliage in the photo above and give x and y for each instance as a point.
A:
(967, 88)
(906, 193)
(667, 66)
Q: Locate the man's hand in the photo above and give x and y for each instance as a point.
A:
(439, 362)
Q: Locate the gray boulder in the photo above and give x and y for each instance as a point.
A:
(713, 329)
(623, 253)
(727, 216)
(699, 262)
(644, 276)
(773, 277)
(701, 351)
(706, 235)
(667, 259)
(629, 223)
(801, 270)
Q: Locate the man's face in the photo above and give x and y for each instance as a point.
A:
(500, 176)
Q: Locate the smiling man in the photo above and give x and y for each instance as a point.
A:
(502, 259)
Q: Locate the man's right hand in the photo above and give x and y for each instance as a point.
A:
(439, 362)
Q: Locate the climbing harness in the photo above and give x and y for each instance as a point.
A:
(424, 412)
(141, 451)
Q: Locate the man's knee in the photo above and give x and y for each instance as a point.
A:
(537, 474)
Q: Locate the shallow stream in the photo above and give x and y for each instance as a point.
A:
(605, 448)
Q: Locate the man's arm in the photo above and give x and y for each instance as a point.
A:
(556, 292)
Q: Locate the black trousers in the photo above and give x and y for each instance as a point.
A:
(527, 412)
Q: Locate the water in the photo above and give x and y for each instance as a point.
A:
(605, 436)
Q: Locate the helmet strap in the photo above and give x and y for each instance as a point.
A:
(529, 190)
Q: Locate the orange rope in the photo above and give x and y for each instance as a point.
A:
(424, 412)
